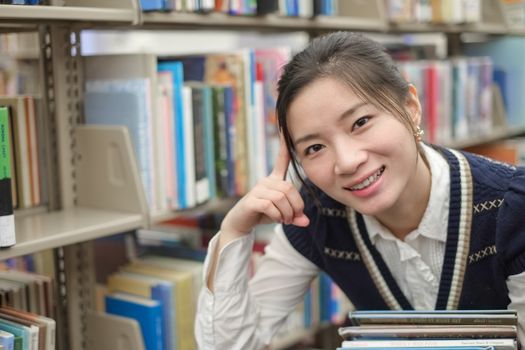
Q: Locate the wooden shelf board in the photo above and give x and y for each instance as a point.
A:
(21, 13)
(54, 229)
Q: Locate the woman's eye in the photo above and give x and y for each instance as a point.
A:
(360, 122)
(313, 148)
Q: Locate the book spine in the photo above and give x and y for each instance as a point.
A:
(452, 320)
(7, 219)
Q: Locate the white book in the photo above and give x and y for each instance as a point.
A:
(189, 148)
(7, 340)
(166, 114)
(509, 344)
(259, 134)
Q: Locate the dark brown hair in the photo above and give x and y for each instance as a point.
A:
(359, 62)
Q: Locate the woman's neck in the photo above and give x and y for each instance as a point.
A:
(407, 214)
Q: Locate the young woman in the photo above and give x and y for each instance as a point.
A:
(396, 223)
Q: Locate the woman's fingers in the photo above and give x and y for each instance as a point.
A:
(279, 200)
(289, 201)
(281, 162)
(272, 198)
(288, 190)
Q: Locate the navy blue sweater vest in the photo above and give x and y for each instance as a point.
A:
(485, 241)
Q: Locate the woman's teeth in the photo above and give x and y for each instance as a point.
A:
(370, 180)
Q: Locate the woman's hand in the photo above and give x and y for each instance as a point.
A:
(273, 199)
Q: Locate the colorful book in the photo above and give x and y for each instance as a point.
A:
(466, 317)
(49, 324)
(151, 288)
(147, 312)
(25, 333)
(182, 294)
(7, 340)
(177, 74)
(7, 218)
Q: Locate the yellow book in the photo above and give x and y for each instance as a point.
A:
(184, 314)
(194, 267)
(152, 288)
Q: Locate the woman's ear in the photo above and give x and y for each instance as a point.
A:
(413, 106)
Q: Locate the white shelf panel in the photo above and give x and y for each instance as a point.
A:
(64, 13)
(55, 229)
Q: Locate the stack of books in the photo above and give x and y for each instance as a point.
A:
(442, 329)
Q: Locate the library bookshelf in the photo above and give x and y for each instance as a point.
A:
(94, 184)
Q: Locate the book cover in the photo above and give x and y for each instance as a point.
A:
(7, 217)
(219, 137)
(148, 314)
(190, 185)
(25, 333)
(230, 69)
(177, 74)
(453, 331)
(202, 181)
(501, 344)
(168, 149)
(494, 317)
(203, 116)
(7, 340)
(21, 145)
(33, 142)
(38, 329)
(271, 61)
(182, 294)
(151, 288)
(48, 323)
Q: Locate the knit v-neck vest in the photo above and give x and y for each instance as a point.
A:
(481, 248)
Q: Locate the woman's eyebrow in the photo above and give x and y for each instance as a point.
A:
(349, 112)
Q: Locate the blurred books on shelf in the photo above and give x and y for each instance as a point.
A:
(436, 11)
(27, 148)
(459, 329)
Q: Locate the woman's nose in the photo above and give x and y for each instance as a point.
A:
(348, 157)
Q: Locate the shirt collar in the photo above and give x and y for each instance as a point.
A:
(433, 225)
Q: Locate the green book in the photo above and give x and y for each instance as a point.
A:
(7, 218)
(18, 343)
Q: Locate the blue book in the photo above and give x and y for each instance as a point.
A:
(125, 102)
(153, 5)
(176, 69)
(194, 67)
(162, 291)
(229, 109)
(147, 312)
(7, 340)
(18, 331)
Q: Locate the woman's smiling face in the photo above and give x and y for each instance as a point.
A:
(359, 155)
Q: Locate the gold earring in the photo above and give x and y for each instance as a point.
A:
(419, 134)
